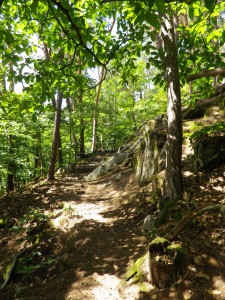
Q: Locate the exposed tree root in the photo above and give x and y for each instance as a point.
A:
(12, 268)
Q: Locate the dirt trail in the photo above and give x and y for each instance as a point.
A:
(96, 234)
(81, 237)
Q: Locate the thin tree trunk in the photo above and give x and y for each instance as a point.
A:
(11, 165)
(60, 153)
(69, 107)
(94, 135)
(216, 78)
(38, 160)
(82, 149)
(48, 52)
(57, 121)
(133, 114)
(115, 123)
(93, 146)
(173, 174)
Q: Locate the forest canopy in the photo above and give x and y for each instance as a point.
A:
(81, 76)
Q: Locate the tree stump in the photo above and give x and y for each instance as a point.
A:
(165, 262)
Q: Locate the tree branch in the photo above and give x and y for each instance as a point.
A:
(166, 1)
(65, 11)
(193, 214)
(1, 2)
(206, 73)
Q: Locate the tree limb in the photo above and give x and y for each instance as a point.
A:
(191, 215)
(65, 11)
(206, 73)
(166, 1)
(1, 2)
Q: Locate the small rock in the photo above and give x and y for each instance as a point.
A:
(118, 177)
(149, 223)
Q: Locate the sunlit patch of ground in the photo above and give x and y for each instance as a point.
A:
(96, 234)
(73, 213)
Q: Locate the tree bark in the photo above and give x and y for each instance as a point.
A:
(60, 153)
(38, 160)
(82, 149)
(173, 174)
(11, 165)
(93, 146)
(69, 107)
(57, 121)
(206, 73)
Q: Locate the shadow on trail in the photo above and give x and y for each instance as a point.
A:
(91, 248)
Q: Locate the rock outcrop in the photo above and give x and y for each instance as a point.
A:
(145, 152)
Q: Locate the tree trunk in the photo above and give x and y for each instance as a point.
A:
(38, 160)
(69, 107)
(11, 167)
(133, 113)
(48, 52)
(57, 121)
(82, 149)
(60, 154)
(93, 146)
(173, 174)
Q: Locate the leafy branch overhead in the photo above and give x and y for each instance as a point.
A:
(47, 47)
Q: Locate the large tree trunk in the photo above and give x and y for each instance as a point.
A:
(173, 175)
(57, 121)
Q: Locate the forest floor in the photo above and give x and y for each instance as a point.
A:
(80, 237)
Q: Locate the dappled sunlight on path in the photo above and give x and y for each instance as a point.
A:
(84, 235)
(101, 236)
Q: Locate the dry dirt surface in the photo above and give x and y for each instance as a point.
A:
(78, 238)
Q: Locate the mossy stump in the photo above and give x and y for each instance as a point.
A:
(165, 262)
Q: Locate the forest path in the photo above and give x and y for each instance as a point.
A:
(81, 237)
(101, 235)
(95, 233)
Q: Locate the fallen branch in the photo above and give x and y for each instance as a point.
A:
(191, 215)
(12, 268)
(206, 73)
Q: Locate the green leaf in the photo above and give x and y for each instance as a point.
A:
(151, 3)
(9, 37)
(191, 12)
(160, 4)
(34, 118)
(152, 19)
(4, 103)
(209, 4)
